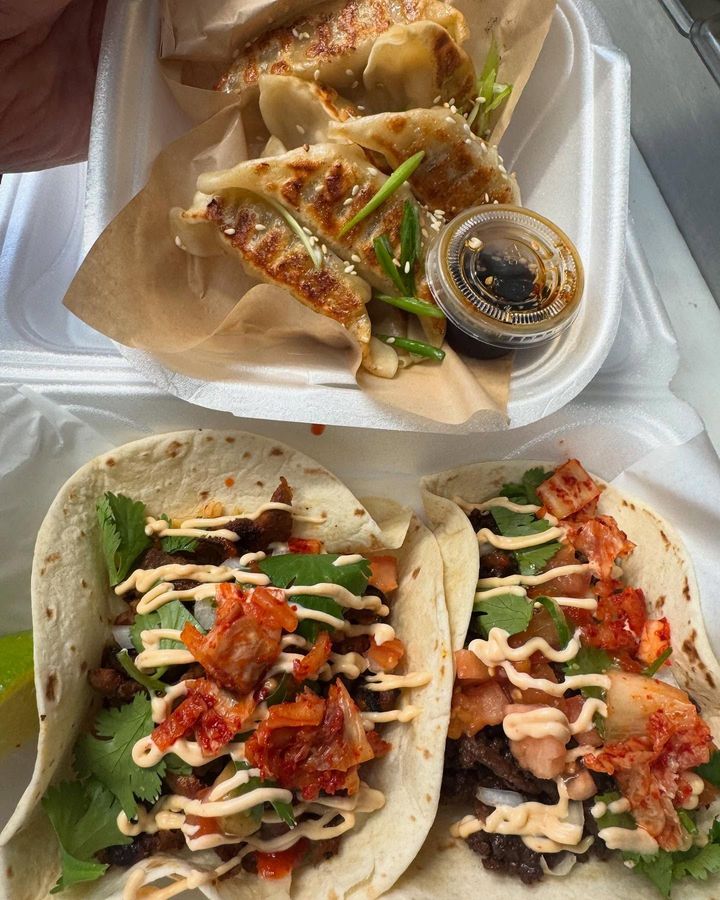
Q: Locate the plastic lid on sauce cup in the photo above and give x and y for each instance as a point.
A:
(506, 278)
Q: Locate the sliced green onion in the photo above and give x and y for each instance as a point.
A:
(410, 244)
(413, 305)
(315, 253)
(655, 666)
(148, 682)
(558, 619)
(398, 177)
(418, 347)
(384, 254)
(493, 93)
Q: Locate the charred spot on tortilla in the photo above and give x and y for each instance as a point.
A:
(110, 462)
(49, 612)
(415, 572)
(52, 557)
(686, 590)
(50, 687)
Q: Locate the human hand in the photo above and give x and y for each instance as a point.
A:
(48, 63)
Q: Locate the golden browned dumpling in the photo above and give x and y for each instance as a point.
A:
(333, 40)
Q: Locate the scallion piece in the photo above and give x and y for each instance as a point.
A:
(315, 253)
(147, 681)
(413, 305)
(410, 244)
(418, 347)
(655, 667)
(383, 252)
(398, 177)
(558, 619)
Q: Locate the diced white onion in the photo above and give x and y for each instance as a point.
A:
(493, 797)
(576, 813)
(205, 612)
(561, 868)
(233, 563)
(121, 634)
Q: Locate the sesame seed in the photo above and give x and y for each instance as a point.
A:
(305, 35)
(259, 227)
(453, 108)
(355, 84)
(440, 213)
(407, 267)
(489, 280)
(355, 258)
(424, 232)
(496, 202)
(446, 105)
(481, 100)
(229, 230)
(348, 201)
(361, 108)
(502, 169)
(349, 72)
(316, 74)
(295, 33)
(437, 99)
(323, 247)
(487, 197)
(356, 188)
(372, 171)
(474, 243)
(449, 119)
(314, 239)
(306, 230)
(452, 100)
(468, 141)
(350, 269)
(178, 242)
(396, 260)
(436, 226)
(300, 129)
(390, 340)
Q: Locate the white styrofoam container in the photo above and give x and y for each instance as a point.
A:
(568, 142)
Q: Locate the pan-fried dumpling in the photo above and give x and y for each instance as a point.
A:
(323, 186)
(252, 230)
(417, 66)
(334, 40)
(273, 147)
(298, 112)
(459, 169)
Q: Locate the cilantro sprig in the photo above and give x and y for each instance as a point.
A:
(506, 611)
(107, 754)
(534, 559)
(122, 531)
(172, 615)
(514, 524)
(83, 816)
(283, 810)
(525, 491)
(589, 661)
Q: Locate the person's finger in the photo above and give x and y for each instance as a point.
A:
(47, 80)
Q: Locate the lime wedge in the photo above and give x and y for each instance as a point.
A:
(18, 712)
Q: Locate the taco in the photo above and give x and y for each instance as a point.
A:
(243, 679)
(581, 750)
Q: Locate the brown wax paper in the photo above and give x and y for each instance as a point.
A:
(198, 40)
(205, 317)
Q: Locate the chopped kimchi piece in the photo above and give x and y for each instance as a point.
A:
(575, 585)
(280, 863)
(620, 621)
(650, 768)
(386, 656)
(654, 640)
(319, 749)
(179, 722)
(476, 706)
(568, 490)
(379, 746)
(315, 659)
(384, 573)
(602, 542)
(305, 545)
(245, 639)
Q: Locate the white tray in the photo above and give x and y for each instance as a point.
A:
(568, 141)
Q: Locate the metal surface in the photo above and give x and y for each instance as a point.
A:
(676, 115)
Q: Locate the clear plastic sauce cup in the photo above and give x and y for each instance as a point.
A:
(506, 278)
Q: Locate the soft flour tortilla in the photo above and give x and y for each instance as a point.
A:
(73, 610)
(661, 567)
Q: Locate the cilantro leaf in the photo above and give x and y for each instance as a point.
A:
(532, 560)
(526, 490)
(698, 862)
(175, 543)
(111, 762)
(506, 611)
(283, 810)
(658, 869)
(122, 530)
(83, 816)
(513, 524)
(177, 765)
(170, 615)
(710, 770)
(315, 568)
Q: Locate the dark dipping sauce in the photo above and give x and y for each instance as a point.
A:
(506, 279)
